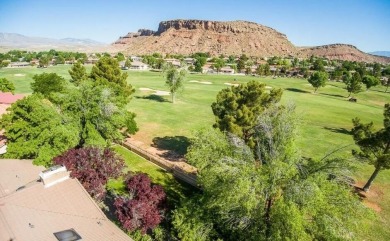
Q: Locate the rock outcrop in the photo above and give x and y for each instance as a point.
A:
(190, 36)
(343, 52)
(229, 38)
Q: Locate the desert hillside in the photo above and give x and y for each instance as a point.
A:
(229, 38)
(189, 36)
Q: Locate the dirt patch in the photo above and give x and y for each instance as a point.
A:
(373, 206)
(167, 155)
(372, 197)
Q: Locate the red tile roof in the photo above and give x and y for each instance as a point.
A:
(9, 98)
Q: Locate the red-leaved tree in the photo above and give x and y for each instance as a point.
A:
(93, 167)
(145, 206)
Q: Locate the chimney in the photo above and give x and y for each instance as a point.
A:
(54, 175)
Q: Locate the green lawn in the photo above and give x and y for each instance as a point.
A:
(326, 120)
(175, 189)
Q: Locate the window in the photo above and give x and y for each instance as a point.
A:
(67, 235)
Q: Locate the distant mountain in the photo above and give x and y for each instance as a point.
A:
(381, 53)
(19, 41)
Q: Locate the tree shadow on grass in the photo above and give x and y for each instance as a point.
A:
(333, 95)
(297, 90)
(175, 189)
(338, 130)
(173, 144)
(153, 97)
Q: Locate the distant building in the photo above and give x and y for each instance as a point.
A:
(139, 65)
(174, 62)
(136, 58)
(38, 204)
(18, 64)
(189, 61)
(227, 70)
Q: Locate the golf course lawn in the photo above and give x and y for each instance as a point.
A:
(325, 118)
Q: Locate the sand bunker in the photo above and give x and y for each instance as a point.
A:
(145, 89)
(201, 82)
(268, 87)
(161, 92)
(18, 75)
(231, 84)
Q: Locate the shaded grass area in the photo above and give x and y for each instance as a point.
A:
(174, 188)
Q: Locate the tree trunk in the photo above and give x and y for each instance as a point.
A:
(387, 88)
(371, 179)
(173, 97)
(349, 94)
(268, 218)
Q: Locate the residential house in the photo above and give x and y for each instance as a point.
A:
(136, 58)
(46, 205)
(174, 62)
(18, 64)
(139, 65)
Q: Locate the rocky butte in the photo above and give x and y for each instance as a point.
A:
(229, 38)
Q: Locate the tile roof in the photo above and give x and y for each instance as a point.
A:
(36, 212)
(9, 98)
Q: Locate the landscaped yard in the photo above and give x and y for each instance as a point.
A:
(326, 122)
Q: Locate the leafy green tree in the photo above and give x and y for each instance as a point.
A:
(370, 81)
(36, 130)
(128, 63)
(78, 73)
(101, 116)
(120, 57)
(236, 108)
(267, 70)
(318, 65)
(47, 83)
(240, 65)
(374, 146)
(199, 63)
(218, 64)
(59, 60)
(6, 85)
(376, 70)
(108, 73)
(284, 197)
(260, 70)
(44, 61)
(386, 82)
(353, 83)
(318, 79)
(174, 80)
(295, 62)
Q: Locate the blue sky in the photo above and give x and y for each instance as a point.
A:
(363, 23)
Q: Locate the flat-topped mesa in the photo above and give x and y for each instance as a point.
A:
(235, 38)
(238, 26)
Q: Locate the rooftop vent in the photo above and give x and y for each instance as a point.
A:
(54, 175)
(67, 235)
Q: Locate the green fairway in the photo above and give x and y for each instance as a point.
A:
(326, 119)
